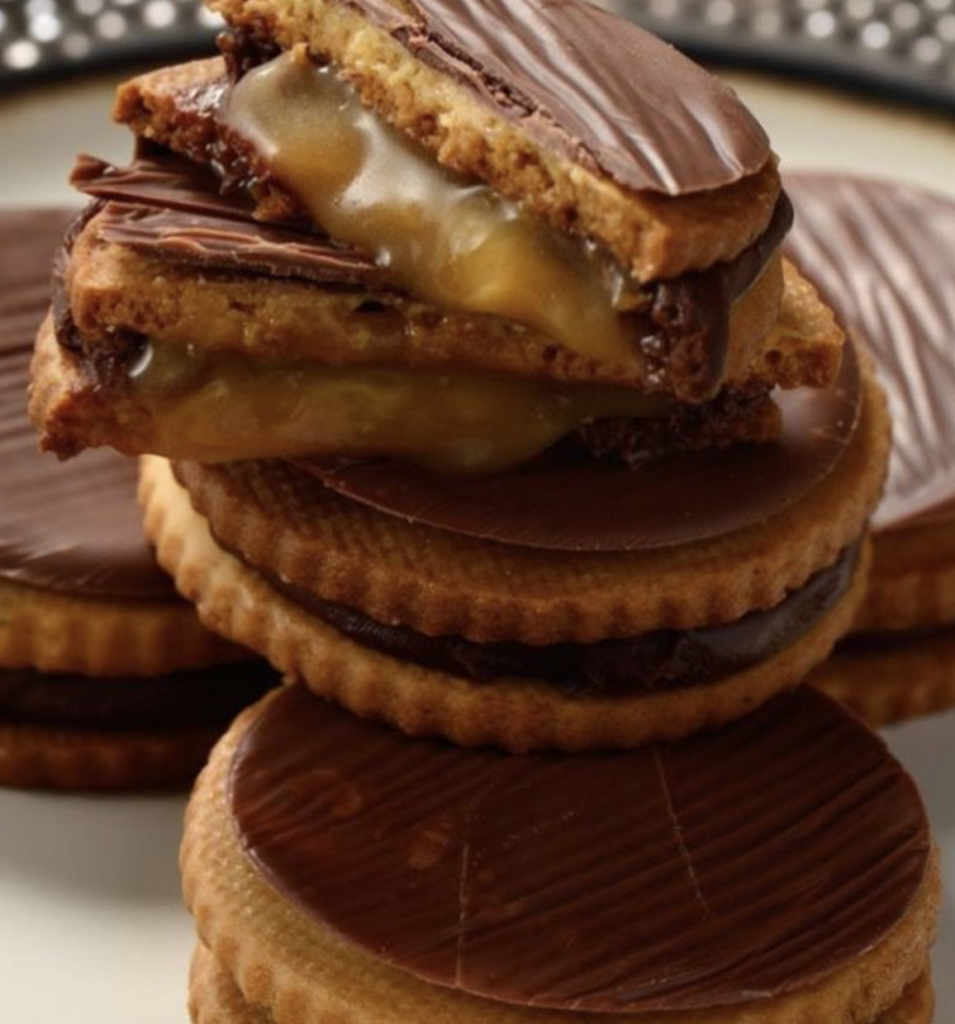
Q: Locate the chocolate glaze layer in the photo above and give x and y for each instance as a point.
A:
(208, 697)
(73, 528)
(589, 85)
(882, 253)
(168, 208)
(663, 660)
(566, 505)
(723, 870)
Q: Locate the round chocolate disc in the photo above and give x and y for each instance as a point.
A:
(72, 527)
(592, 506)
(730, 867)
(882, 254)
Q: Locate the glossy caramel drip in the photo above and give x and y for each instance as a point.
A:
(227, 408)
(453, 244)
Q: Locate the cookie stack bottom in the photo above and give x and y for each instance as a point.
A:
(779, 869)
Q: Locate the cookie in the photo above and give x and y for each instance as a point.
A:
(452, 285)
(520, 646)
(371, 877)
(880, 251)
(107, 678)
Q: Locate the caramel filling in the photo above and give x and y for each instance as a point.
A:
(446, 241)
(226, 408)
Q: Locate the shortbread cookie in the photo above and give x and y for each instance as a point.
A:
(214, 998)
(386, 261)
(526, 648)
(881, 252)
(331, 880)
(460, 406)
(638, 244)
(282, 293)
(671, 173)
(107, 678)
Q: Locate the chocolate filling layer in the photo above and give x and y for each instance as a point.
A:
(195, 698)
(664, 660)
(720, 871)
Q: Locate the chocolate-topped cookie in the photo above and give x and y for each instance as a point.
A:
(107, 678)
(371, 211)
(362, 873)
(881, 252)
(495, 411)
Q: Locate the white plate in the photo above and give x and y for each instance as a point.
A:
(93, 930)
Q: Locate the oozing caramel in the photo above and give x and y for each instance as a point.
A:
(448, 242)
(226, 408)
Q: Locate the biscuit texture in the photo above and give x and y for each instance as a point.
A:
(299, 972)
(214, 998)
(80, 760)
(896, 680)
(654, 236)
(75, 407)
(913, 580)
(518, 715)
(441, 584)
(66, 633)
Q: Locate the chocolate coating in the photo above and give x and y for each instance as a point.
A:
(882, 253)
(663, 660)
(719, 871)
(165, 206)
(589, 85)
(207, 697)
(587, 506)
(74, 528)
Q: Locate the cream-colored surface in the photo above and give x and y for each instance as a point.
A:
(88, 888)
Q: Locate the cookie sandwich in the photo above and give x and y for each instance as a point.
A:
(107, 678)
(492, 407)
(881, 251)
(778, 869)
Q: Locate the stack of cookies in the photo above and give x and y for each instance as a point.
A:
(884, 252)
(479, 398)
(108, 681)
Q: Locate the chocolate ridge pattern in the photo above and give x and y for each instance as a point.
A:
(881, 252)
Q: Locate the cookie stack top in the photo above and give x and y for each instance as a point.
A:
(568, 252)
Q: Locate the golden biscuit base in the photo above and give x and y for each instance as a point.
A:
(113, 288)
(518, 715)
(913, 580)
(906, 679)
(214, 998)
(443, 584)
(284, 961)
(655, 236)
(95, 760)
(91, 636)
